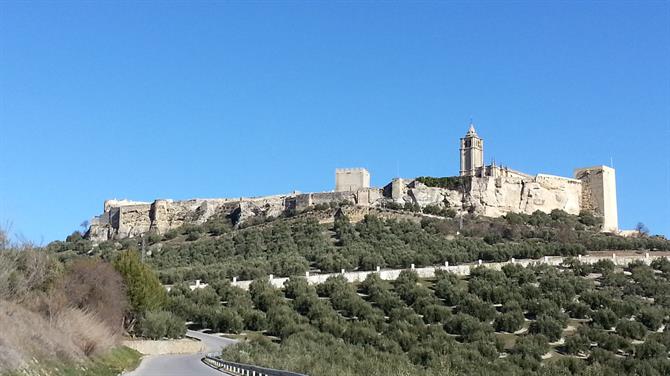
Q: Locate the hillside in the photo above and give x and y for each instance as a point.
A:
(317, 241)
(572, 319)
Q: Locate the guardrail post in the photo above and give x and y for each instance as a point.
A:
(446, 264)
(412, 266)
(307, 274)
(234, 280)
(378, 268)
(546, 259)
(513, 260)
(479, 261)
(342, 271)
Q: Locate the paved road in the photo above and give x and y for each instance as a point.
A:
(183, 365)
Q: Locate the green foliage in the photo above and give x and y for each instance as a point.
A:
(548, 327)
(454, 183)
(144, 290)
(407, 320)
(508, 321)
(528, 351)
(651, 317)
(576, 344)
(631, 329)
(605, 318)
(161, 324)
(437, 210)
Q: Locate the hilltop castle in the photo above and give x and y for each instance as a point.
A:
(480, 189)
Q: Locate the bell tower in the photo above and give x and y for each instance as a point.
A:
(472, 153)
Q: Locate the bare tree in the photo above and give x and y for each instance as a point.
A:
(641, 229)
(95, 286)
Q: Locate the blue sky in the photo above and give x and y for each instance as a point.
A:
(178, 100)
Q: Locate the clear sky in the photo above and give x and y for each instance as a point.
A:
(145, 100)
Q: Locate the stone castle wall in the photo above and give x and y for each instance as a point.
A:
(491, 196)
(599, 194)
(494, 196)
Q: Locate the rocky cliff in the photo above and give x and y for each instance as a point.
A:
(488, 196)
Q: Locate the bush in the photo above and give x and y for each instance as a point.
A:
(547, 326)
(226, 320)
(631, 329)
(509, 322)
(576, 344)
(171, 234)
(94, 286)
(651, 350)
(528, 351)
(161, 324)
(453, 183)
(651, 317)
(144, 290)
(605, 318)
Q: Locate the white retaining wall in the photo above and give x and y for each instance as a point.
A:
(429, 272)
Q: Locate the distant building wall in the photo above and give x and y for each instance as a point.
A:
(599, 194)
(351, 179)
(461, 270)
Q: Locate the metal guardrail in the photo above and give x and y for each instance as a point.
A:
(244, 369)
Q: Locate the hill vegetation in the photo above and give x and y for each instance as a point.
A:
(293, 245)
(574, 319)
(67, 317)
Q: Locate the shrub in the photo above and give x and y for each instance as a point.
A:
(454, 183)
(651, 350)
(576, 344)
(466, 326)
(578, 310)
(144, 290)
(94, 286)
(474, 306)
(227, 321)
(547, 326)
(651, 317)
(193, 235)
(631, 329)
(509, 321)
(161, 324)
(605, 318)
(528, 351)
(171, 234)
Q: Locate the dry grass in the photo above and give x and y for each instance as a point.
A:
(44, 327)
(72, 335)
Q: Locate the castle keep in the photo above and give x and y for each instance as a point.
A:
(488, 190)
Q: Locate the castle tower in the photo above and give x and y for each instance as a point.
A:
(599, 194)
(351, 179)
(472, 153)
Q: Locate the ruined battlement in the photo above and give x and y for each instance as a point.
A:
(491, 190)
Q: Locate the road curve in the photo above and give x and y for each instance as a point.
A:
(183, 365)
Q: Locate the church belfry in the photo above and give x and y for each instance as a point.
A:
(472, 153)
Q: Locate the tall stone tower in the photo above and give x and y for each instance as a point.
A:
(472, 153)
(351, 179)
(599, 194)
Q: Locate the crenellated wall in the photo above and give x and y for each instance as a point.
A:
(492, 195)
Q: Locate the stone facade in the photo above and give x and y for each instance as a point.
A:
(489, 190)
(351, 179)
(599, 194)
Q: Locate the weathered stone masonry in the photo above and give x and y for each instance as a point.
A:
(491, 191)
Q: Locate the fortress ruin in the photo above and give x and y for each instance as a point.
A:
(488, 190)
